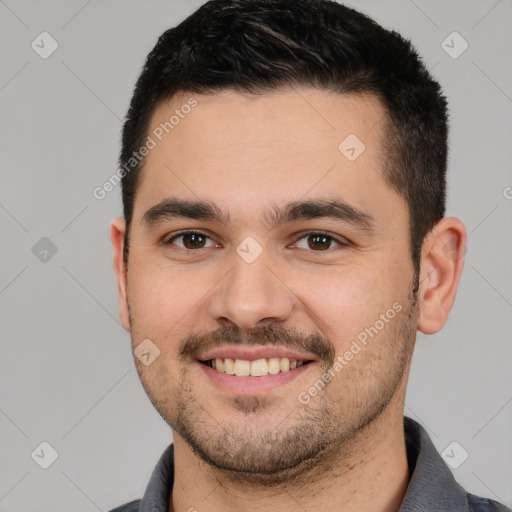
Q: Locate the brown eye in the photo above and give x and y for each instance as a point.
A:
(318, 242)
(193, 241)
(190, 240)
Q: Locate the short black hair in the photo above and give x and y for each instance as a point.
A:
(257, 46)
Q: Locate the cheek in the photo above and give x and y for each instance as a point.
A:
(344, 302)
(160, 296)
(163, 306)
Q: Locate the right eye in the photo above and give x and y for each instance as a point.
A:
(190, 240)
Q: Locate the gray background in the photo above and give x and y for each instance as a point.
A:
(66, 372)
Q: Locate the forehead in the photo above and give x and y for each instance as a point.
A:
(276, 147)
(313, 118)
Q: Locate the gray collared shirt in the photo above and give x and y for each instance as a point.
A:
(432, 487)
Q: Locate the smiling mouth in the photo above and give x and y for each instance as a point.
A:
(256, 368)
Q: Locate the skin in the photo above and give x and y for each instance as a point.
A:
(269, 451)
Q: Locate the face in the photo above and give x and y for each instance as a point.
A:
(256, 237)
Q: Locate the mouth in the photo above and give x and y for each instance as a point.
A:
(254, 368)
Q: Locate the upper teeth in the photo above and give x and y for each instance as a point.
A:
(257, 368)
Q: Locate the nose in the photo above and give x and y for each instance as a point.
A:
(251, 295)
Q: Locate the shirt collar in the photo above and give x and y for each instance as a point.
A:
(158, 491)
(431, 487)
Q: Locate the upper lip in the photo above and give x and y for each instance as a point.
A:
(251, 353)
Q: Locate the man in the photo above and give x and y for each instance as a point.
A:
(283, 172)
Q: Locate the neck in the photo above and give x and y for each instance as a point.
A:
(370, 474)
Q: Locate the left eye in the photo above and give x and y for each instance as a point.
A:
(191, 240)
(317, 241)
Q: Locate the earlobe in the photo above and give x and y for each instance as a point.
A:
(442, 262)
(117, 232)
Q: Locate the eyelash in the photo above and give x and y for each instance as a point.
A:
(169, 241)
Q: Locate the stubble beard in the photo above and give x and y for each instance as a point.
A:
(312, 438)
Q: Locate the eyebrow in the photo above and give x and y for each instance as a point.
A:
(172, 208)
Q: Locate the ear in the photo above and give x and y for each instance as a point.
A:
(442, 261)
(117, 231)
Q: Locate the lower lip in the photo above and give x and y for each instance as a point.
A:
(245, 386)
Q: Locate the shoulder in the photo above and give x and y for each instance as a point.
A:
(477, 504)
(132, 506)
